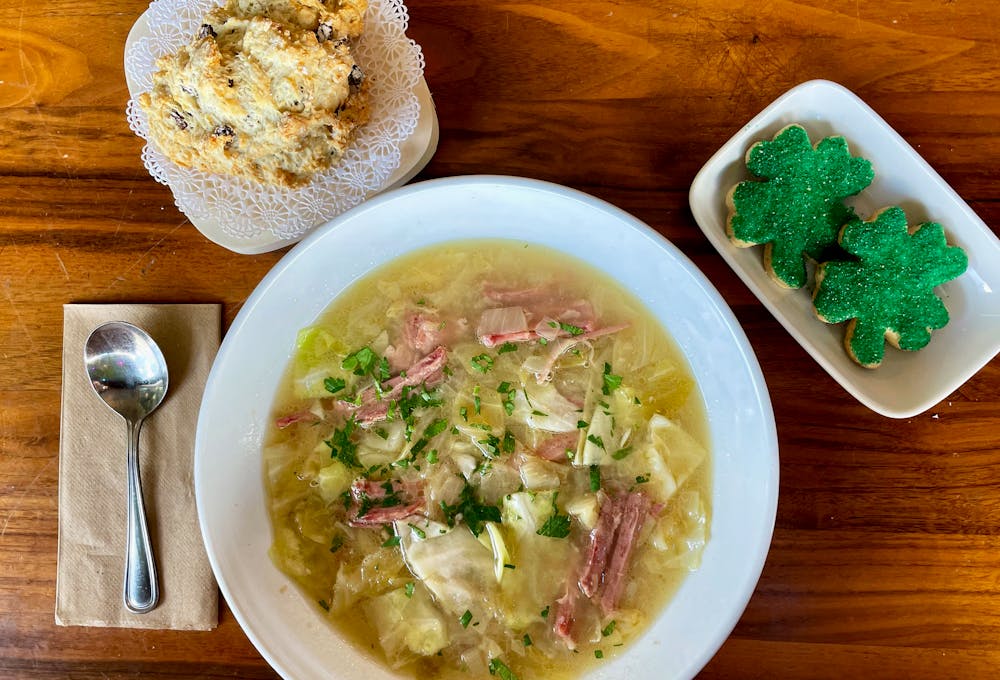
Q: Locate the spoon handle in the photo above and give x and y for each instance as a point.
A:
(141, 590)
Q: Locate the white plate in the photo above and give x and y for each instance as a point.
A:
(415, 153)
(906, 383)
(284, 626)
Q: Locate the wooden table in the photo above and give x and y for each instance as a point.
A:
(886, 553)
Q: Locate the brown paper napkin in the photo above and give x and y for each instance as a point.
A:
(92, 510)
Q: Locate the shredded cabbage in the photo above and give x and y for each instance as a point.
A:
(409, 625)
(533, 583)
(586, 508)
(549, 410)
(453, 565)
(668, 458)
(333, 480)
(317, 357)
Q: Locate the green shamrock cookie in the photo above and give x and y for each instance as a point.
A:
(888, 294)
(797, 209)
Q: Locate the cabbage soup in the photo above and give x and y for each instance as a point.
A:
(487, 458)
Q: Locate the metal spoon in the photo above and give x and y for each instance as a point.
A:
(129, 373)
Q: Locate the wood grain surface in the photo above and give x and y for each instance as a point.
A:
(886, 554)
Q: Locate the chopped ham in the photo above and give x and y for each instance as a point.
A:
(565, 615)
(426, 371)
(554, 448)
(579, 313)
(635, 509)
(422, 332)
(300, 417)
(379, 516)
(602, 539)
(418, 373)
(612, 542)
(503, 324)
(517, 324)
(563, 345)
(388, 501)
(495, 339)
(512, 295)
(399, 356)
(375, 490)
(543, 300)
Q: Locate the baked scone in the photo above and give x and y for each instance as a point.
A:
(888, 293)
(268, 90)
(797, 210)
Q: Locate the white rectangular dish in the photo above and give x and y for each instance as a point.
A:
(907, 383)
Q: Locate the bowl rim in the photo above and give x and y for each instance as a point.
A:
(753, 567)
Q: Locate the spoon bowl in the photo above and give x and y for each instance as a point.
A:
(129, 373)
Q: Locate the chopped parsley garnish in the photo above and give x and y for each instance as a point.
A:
(595, 477)
(490, 445)
(482, 362)
(611, 382)
(642, 479)
(608, 629)
(436, 428)
(542, 342)
(507, 395)
(571, 329)
(527, 399)
(410, 399)
(391, 542)
(417, 447)
(545, 613)
(582, 424)
(341, 446)
(476, 401)
(360, 362)
(621, 453)
(598, 654)
(507, 446)
(464, 412)
(509, 566)
(527, 640)
(337, 543)
(539, 413)
(334, 385)
(556, 526)
(421, 534)
(324, 604)
(466, 619)
(432, 457)
(500, 669)
(408, 589)
(596, 440)
(472, 512)
(507, 347)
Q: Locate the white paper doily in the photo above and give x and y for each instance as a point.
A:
(250, 217)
